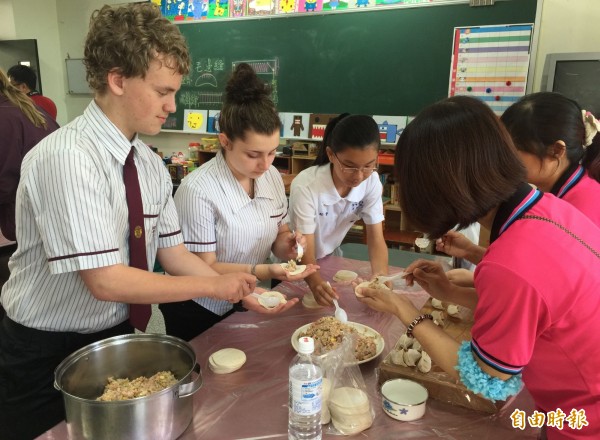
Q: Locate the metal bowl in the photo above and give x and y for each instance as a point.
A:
(82, 376)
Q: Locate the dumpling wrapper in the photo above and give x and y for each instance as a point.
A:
(437, 304)
(453, 310)
(272, 294)
(411, 357)
(405, 341)
(424, 364)
(226, 360)
(345, 276)
(416, 345)
(370, 285)
(397, 358)
(309, 301)
(422, 242)
(438, 317)
(299, 268)
(326, 391)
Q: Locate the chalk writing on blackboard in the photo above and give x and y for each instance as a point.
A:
(203, 86)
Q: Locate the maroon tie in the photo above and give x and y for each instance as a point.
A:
(139, 314)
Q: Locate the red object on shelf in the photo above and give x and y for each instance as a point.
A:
(386, 158)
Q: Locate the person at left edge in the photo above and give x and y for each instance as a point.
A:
(22, 126)
(25, 79)
(72, 282)
(233, 209)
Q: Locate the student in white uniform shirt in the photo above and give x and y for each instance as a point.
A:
(71, 282)
(233, 209)
(342, 187)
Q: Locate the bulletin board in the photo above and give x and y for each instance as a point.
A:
(491, 63)
(386, 62)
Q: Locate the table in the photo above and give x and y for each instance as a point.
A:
(251, 403)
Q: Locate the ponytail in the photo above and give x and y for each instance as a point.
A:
(348, 131)
(21, 101)
(322, 157)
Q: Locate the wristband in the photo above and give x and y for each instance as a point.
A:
(416, 321)
(253, 271)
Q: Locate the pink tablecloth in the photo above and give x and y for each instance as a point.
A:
(251, 403)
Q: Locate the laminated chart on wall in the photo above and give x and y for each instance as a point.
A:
(491, 63)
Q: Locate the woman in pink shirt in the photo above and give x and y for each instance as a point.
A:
(538, 284)
(558, 144)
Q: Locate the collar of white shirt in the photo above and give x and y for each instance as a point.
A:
(112, 138)
(263, 186)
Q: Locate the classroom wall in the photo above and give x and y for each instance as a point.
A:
(24, 19)
(60, 27)
(567, 26)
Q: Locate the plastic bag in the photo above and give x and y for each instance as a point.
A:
(346, 407)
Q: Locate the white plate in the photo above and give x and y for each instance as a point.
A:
(362, 330)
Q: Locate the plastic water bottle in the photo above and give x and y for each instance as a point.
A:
(306, 381)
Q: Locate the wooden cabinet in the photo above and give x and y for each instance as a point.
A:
(205, 155)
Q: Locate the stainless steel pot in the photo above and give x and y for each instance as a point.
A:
(164, 415)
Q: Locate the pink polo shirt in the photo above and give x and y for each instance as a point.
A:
(584, 194)
(539, 300)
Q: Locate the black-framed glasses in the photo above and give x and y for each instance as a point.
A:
(353, 170)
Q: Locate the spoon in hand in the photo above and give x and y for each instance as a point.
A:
(300, 251)
(340, 314)
(268, 301)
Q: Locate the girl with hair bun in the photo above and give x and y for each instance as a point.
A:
(233, 209)
(341, 188)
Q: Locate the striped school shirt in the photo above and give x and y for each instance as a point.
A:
(217, 215)
(71, 214)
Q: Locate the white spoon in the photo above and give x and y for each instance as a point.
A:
(269, 301)
(300, 251)
(340, 314)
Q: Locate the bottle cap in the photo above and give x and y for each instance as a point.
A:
(306, 345)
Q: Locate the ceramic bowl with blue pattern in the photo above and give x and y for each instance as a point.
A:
(403, 399)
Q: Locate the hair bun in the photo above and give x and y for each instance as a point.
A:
(245, 86)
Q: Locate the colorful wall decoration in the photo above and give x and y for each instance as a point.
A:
(491, 63)
(196, 10)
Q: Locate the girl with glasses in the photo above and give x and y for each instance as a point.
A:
(341, 188)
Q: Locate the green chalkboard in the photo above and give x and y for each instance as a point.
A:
(390, 62)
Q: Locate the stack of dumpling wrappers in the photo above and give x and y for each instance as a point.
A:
(226, 360)
(350, 410)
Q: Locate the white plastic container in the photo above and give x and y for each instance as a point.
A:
(305, 394)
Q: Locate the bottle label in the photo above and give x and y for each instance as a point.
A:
(306, 396)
